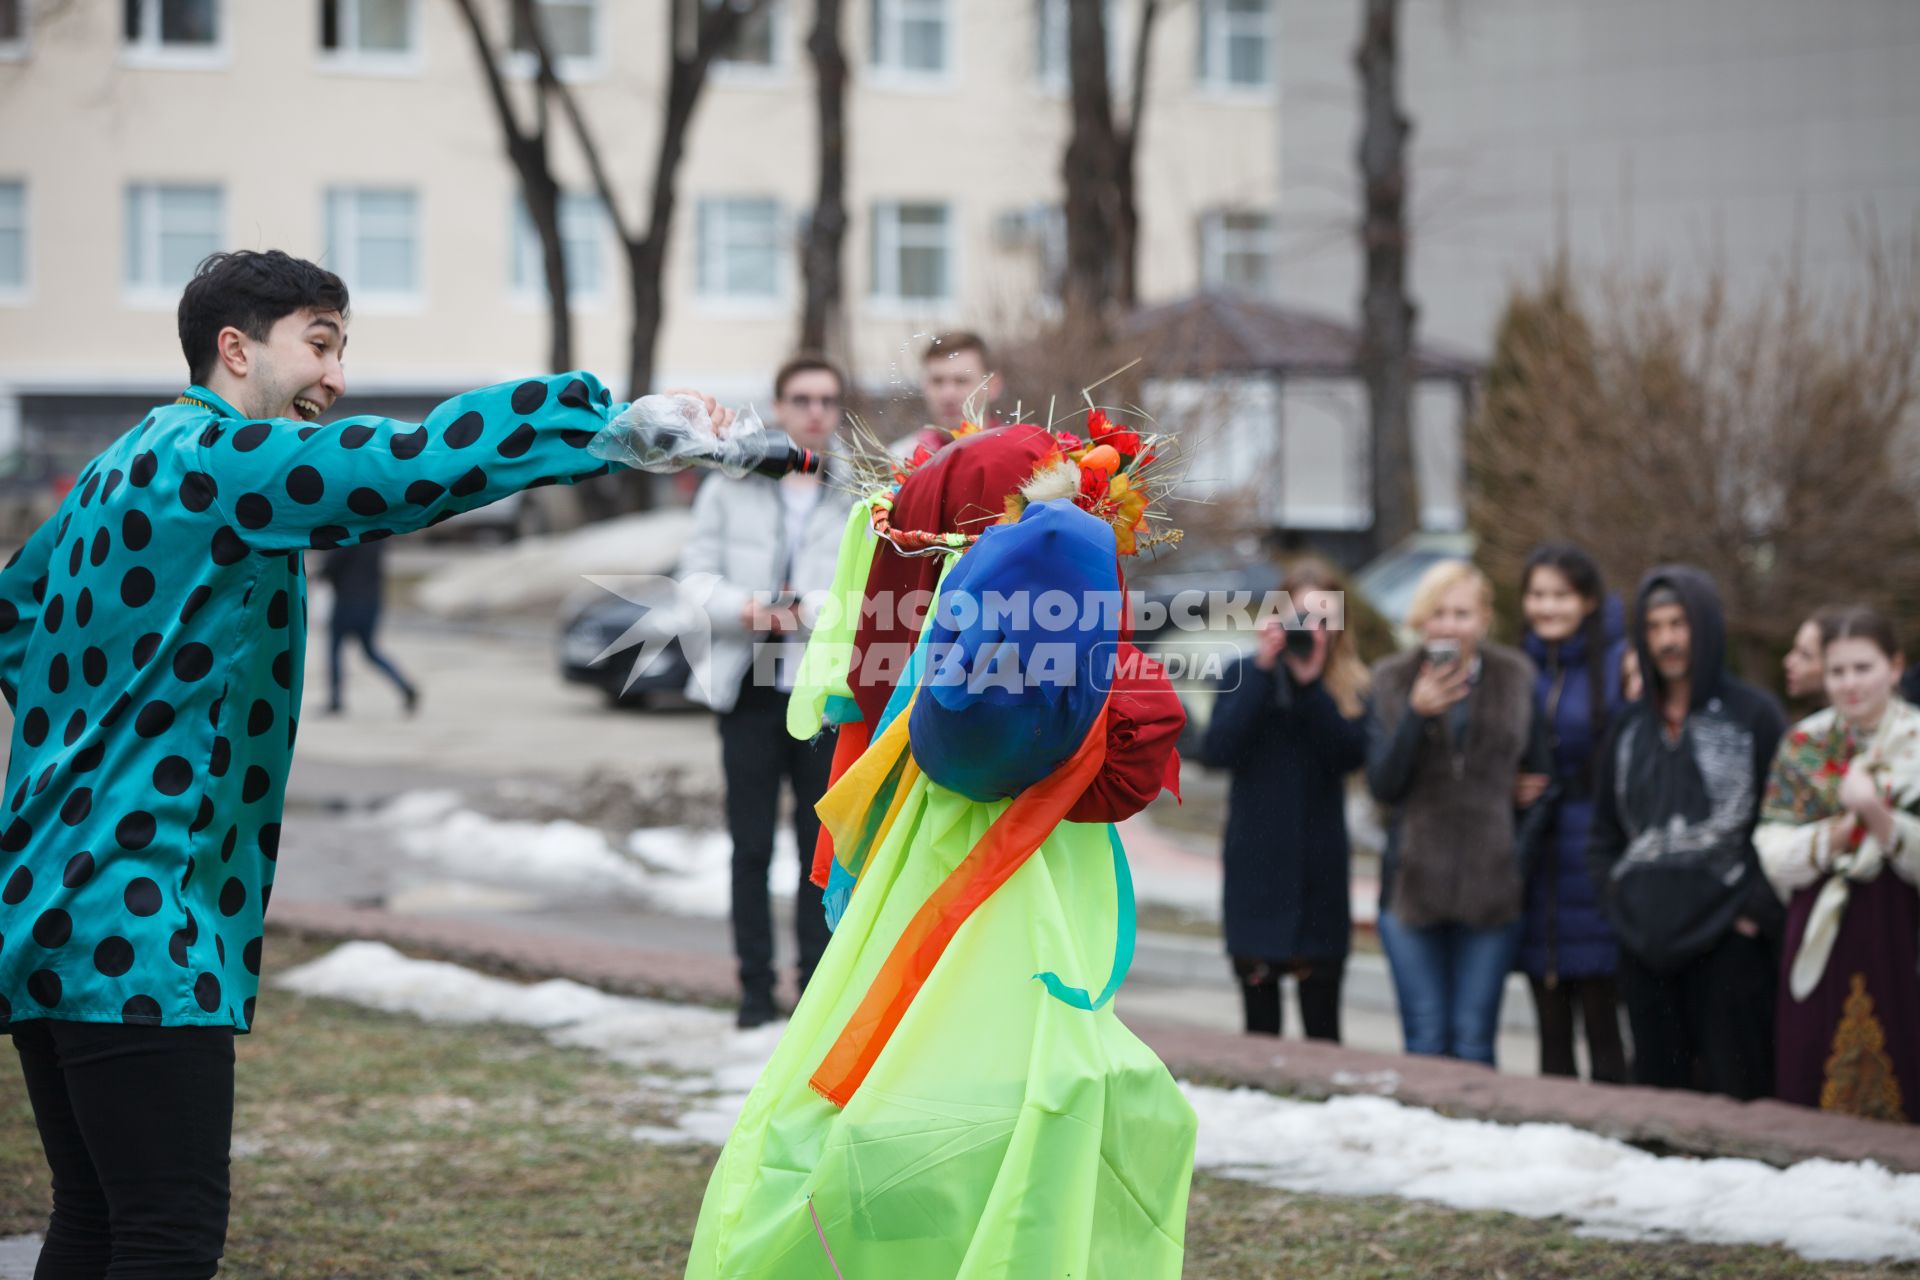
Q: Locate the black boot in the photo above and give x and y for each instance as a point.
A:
(756, 1008)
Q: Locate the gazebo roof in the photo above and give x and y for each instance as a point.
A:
(1213, 333)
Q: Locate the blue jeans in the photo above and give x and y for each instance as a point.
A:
(1448, 980)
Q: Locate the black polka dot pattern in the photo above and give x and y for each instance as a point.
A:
(164, 598)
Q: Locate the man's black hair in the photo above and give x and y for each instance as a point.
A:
(250, 291)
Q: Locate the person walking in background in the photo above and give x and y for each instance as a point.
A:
(758, 545)
(1575, 634)
(358, 577)
(1290, 724)
(1453, 719)
(1839, 839)
(1806, 674)
(1675, 804)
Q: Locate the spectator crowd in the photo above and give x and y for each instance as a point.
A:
(1705, 895)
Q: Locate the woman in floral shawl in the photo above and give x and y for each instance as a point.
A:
(1840, 841)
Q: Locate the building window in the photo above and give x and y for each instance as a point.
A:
(374, 29)
(756, 45)
(910, 37)
(169, 230)
(13, 29)
(1051, 59)
(571, 29)
(1237, 254)
(168, 27)
(13, 238)
(741, 249)
(912, 252)
(582, 240)
(1236, 43)
(373, 241)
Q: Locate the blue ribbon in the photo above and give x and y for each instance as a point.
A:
(1125, 930)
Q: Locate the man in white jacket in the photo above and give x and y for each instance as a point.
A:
(762, 544)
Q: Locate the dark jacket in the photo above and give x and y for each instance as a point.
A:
(358, 576)
(1672, 844)
(1567, 934)
(1449, 856)
(1286, 854)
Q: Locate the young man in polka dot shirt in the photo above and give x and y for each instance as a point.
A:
(152, 642)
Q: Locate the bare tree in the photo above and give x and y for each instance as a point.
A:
(527, 151)
(1386, 312)
(1770, 439)
(698, 31)
(1126, 247)
(820, 261)
(1102, 212)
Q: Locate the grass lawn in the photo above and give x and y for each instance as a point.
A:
(368, 1145)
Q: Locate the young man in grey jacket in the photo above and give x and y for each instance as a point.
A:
(760, 545)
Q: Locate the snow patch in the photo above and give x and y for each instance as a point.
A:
(1821, 1209)
(698, 1068)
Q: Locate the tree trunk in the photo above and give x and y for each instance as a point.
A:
(821, 317)
(528, 152)
(1126, 240)
(1090, 172)
(713, 27)
(1386, 313)
(543, 208)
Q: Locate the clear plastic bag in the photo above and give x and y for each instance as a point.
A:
(665, 434)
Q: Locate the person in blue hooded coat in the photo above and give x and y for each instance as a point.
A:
(1575, 634)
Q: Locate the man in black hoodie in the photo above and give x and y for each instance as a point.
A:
(1675, 805)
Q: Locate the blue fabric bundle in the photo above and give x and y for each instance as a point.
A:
(1020, 644)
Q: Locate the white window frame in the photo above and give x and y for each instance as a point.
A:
(525, 65)
(148, 52)
(343, 249)
(743, 303)
(1051, 37)
(356, 61)
(884, 46)
(1218, 243)
(19, 49)
(779, 16)
(151, 291)
(23, 290)
(883, 263)
(1214, 31)
(526, 271)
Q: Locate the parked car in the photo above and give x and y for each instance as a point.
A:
(600, 636)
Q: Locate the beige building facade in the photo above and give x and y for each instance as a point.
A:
(137, 135)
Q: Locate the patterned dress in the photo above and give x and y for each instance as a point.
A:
(1849, 1039)
(152, 644)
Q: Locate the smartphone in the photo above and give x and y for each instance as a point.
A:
(1300, 643)
(1443, 653)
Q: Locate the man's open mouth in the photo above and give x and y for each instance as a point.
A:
(306, 408)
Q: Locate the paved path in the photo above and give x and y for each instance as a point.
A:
(1660, 1119)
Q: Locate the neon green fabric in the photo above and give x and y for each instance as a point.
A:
(820, 690)
(1125, 933)
(1002, 1132)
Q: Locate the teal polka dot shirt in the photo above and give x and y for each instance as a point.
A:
(152, 642)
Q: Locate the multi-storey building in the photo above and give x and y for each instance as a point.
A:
(140, 135)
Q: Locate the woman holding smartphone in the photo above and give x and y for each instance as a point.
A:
(1453, 722)
(1290, 723)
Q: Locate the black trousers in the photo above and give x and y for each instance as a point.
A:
(1318, 982)
(136, 1123)
(357, 624)
(1598, 1003)
(756, 755)
(1709, 1024)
